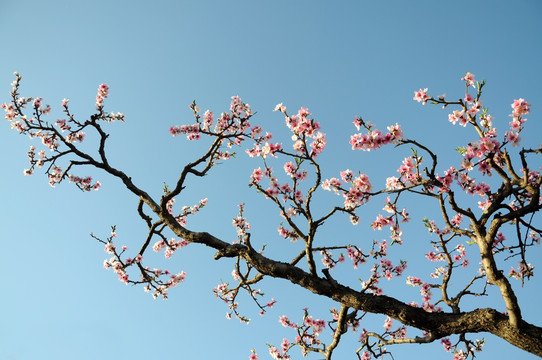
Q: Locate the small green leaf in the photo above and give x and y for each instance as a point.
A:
(461, 149)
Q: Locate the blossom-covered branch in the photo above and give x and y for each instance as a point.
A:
(503, 228)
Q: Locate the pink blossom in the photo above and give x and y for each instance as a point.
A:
(457, 219)
(207, 120)
(62, 124)
(274, 352)
(513, 138)
(280, 107)
(447, 344)
(460, 355)
(159, 245)
(469, 79)
(256, 130)
(523, 270)
(381, 221)
(516, 124)
(103, 91)
(484, 167)
(475, 108)
(37, 102)
(388, 323)
(298, 196)
(484, 205)
(375, 139)
(356, 256)
(396, 131)
(347, 175)
(302, 175)
(74, 137)
(331, 183)
(413, 281)
(393, 183)
(284, 321)
(289, 168)
(255, 151)
(520, 107)
(285, 345)
(431, 256)
(358, 123)
(458, 115)
(109, 248)
(486, 120)
(318, 144)
(257, 175)
(270, 149)
(421, 96)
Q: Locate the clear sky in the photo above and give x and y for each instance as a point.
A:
(339, 59)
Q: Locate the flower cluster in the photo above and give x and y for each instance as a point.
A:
(374, 139)
(114, 117)
(388, 221)
(85, 183)
(191, 131)
(49, 139)
(281, 354)
(357, 256)
(304, 129)
(103, 91)
(308, 336)
(287, 233)
(421, 96)
(383, 269)
(523, 271)
(151, 277)
(51, 134)
(75, 137)
(37, 104)
(294, 172)
(172, 245)
(185, 210)
(287, 192)
(262, 147)
(32, 156)
(231, 126)
(355, 196)
(328, 261)
(229, 296)
(241, 224)
(409, 172)
(253, 356)
(520, 108)
(163, 288)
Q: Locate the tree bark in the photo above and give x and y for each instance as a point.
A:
(526, 336)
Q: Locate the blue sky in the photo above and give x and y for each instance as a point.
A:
(339, 59)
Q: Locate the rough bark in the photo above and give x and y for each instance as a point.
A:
(526, 336)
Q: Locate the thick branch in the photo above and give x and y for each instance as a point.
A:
(525, 336)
